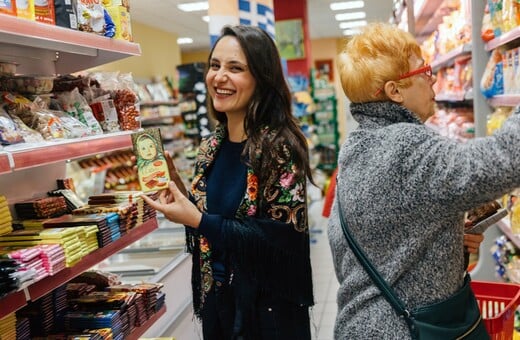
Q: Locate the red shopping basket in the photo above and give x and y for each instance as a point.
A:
(497, 302)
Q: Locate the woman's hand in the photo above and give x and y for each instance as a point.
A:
(175, 206)
(472, 242)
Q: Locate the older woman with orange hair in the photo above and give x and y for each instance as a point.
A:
(403, 188)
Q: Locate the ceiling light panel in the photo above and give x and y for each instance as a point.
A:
(340, 6)
(350, 16)
(184, 41)
(351, 31)
(193, 6)
(352, 24)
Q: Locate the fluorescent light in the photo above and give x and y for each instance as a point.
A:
(205, 18)
(350, 32)
(351, 16)
(194, 6)
(339, 6)
(184, 41)
(352, 24)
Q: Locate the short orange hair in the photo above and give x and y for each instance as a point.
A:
(378, 54)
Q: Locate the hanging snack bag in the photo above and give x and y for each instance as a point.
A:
(492, 82)
(105, 112)
(9, 132)
(122, 90)
(29, 135)
(76, 106)
(127, 103)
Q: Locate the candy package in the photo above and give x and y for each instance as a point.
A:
(9, 131)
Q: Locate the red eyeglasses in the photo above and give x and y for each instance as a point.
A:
(426, 69)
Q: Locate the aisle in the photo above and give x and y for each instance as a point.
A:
(324, 279)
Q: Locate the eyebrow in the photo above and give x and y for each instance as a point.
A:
(231, 62)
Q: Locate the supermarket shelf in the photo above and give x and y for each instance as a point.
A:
(46, 285)
(159, 120)
(139, 331)
(503, 39)
(49, 49)
(449, 58)
(29, 155)
(505, 100)
(425, 19)
(5, 167)
(158, 103)
(454, 98)
(13, 301)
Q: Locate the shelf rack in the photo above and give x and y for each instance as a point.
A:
(16, 300)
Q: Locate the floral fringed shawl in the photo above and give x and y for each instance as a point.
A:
(266, 237)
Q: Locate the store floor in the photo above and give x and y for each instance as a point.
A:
(325, 283)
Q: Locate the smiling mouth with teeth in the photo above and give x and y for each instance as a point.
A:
(221, 91)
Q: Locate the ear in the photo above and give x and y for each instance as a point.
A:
(393, 92)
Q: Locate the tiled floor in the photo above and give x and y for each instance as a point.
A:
(324, 279)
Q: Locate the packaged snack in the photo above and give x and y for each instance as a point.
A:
(9, 132)
(25, 9)
(151, 165)
(91, 17)
(121, 18)
(7, 68)
(8, 7)
(44, 11)
(106, 114)
(29, 135)
(31, 84)
(65, 14)
(492, 83)
(76, 106)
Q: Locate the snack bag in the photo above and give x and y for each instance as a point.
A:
(492, 82)
(76, 106)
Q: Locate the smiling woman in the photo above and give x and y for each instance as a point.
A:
(246, 217)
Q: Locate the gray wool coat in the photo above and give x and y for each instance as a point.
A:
(404, 190)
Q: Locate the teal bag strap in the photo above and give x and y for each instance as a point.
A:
(387, 291)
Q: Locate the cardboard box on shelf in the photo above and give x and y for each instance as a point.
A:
(25, 9)
(8, 7)
(44, 11)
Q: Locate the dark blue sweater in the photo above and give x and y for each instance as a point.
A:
(226, 186)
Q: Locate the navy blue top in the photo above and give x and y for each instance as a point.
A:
(226, 185)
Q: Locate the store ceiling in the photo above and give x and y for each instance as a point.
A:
(165, 15)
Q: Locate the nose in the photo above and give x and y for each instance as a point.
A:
(221, 75)
(433, 79)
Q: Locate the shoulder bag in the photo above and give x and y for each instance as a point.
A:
(457, 317)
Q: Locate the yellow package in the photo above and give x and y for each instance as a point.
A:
(497, 118)
(121, 18)
(25, 9)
